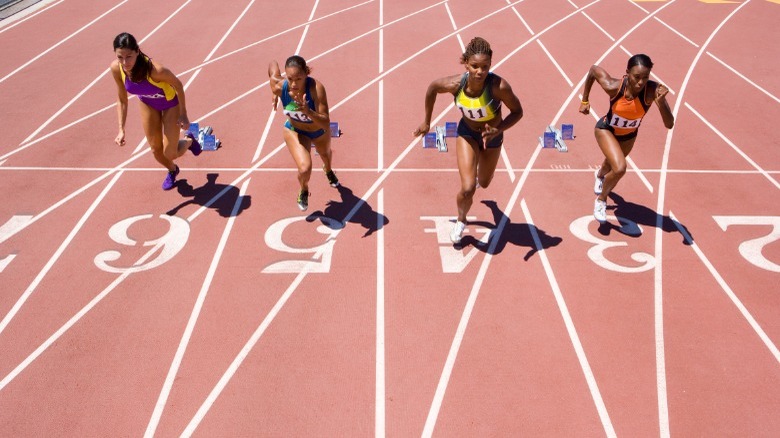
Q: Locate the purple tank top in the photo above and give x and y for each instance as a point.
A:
(160, 96)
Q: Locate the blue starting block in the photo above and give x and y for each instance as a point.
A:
(210, 143)
(451, 129)
(193, 129)
(553, 138)
(567, 131)
(334, 129)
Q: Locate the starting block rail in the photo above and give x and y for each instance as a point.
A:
(554, 138)
(438, 138)
(207, 140)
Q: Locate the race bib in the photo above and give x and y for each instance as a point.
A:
(619, 122)
(291, 111)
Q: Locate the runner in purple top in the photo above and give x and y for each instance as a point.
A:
(163, 112)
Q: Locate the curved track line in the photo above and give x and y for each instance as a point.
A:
(449, 364)
(663, 405)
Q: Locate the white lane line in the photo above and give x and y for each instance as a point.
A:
(601, 408)
(151, 428)
(379, 428)
(52, 260)
(735, 147)
(729, 292)
(733, 70)
(525, 23)
(380, 144)
(61, 42)
(688, 40)
(663, 406)
(555, 63)
(611, 38)
(264, 136)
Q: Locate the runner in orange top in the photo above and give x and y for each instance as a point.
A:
(630, 98)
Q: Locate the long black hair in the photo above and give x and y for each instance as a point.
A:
(143, 65)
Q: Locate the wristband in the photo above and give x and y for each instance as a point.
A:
(584, 102)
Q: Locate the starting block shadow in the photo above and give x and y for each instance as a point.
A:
(366, 217)
(515, 234)
(204, 195)
(640, 215)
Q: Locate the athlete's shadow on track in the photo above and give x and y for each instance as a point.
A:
(365, 216)
(516, 234)
(642, 216)
(205, 193)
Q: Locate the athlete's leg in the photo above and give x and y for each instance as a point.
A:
(615, 159)
(468, 152)
(151, 120)
(322, 145)
(173, 146)
(300, 149)
(488, 159)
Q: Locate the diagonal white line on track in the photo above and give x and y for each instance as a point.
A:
(727, 289)
(62, 41)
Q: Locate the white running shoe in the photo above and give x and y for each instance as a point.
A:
(457, 232)
(600, 210)
(599, 185)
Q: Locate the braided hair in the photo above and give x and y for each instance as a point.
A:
(476, 46)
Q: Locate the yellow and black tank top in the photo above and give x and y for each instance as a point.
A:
(478, 109)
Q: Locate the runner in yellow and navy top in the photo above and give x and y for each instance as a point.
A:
(161, 96)
(630, 98)
(479, 95)
(308, 120)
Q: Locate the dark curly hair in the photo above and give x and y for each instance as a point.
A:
(476, 46)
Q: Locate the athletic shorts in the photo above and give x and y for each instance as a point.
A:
(466, 132)
(311, 134)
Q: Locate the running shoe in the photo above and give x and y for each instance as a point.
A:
(195, 146)
(170, 180)
(599, 185)
(303, 200)
(457, 232)
(600, 210)
(332, 180)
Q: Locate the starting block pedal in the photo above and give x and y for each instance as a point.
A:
(334, 129)
(193, 129)
(210, 143)
(554, 138)
(567, 131)
(450, 129)
(436, 139)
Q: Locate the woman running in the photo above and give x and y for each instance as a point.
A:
(161, 97)
(479, 95)
(308, 120)
(629, 100)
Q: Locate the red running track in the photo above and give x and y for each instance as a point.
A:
(218, 309)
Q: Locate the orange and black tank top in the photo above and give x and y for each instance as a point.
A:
(625, 115)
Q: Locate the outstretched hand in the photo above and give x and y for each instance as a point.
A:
(422, 129)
